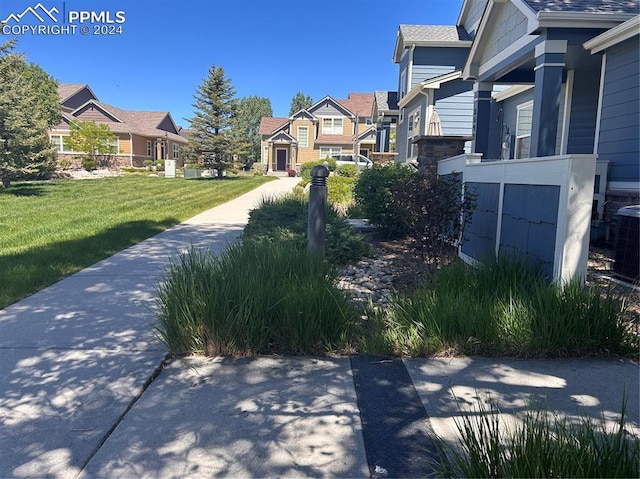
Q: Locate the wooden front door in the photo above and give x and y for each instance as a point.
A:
(281, 159)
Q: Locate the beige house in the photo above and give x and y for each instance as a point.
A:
(139, 135)
(327, 128)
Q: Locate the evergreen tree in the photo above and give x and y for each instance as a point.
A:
(299, 102)
(28, 107)
(214, 110)
(245, 127)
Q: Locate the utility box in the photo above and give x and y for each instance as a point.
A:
(169, 168)
(627, 258)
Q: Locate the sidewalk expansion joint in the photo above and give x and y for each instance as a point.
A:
(156, 372)
(398, 438)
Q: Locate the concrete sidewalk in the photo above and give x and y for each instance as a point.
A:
(85, 391)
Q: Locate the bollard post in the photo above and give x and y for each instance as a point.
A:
(317, 210)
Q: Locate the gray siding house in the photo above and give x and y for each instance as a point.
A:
(433, 98)
(567, 126)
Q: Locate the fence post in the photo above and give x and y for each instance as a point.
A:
(317, 210)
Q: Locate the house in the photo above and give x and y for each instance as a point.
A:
(139, 135)
(327, 128)
(434, 100)
(385, 116)
(568, 126)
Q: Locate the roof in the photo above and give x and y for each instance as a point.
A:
(585, 6)
(66, 90)
(334, 139)
(386, 100)
(430, 35)
(360, 104)
(612, 37)
(270, 124)
(433, 33)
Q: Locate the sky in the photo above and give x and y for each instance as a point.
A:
(153, 54)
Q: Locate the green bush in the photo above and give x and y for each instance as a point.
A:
(256, 298)
(259, 169)
(340, 190)
(89, 163)
(64, 163)
(305, 168)
(507, 308)
(348, 171)
(285, 219)
(373, 192)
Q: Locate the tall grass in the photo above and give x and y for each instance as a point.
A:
(256, 298)
(541, 446)
(505, 308)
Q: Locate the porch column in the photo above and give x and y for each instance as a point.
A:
(481, 117)
(269, 156)
(550, 64)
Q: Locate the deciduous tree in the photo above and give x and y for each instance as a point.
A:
(92, 139)
(214, 109)
(245, 127)
(28, 107)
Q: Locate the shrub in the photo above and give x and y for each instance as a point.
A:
(159, 165)
(285, 219)
(434, 213)
(259, 169)
(373, 192)
(305, 168)
(64, 163)
(340, 190)
(89, 163)
(291, 173)
(348, 171)
(256, 298)
(148, 164)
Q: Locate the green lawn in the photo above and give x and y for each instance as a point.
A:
(49, 230)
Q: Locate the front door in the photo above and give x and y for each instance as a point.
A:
(281, 159)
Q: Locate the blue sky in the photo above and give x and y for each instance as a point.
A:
(267, 48)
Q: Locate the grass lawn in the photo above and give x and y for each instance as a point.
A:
(53, 229)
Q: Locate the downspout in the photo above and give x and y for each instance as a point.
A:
(130, 150)
(410, 69)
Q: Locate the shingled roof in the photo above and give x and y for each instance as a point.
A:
(433, 33)
(387, 100)
(588, 6)
(65, 90)
(270, 124)
(360, 104)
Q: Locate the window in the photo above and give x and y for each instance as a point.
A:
(332, 126)
(330, 151)
(401, 115)
(403, 84)
(303, 136)
(114, 145)
(523, 129)
(176, 151)
(149, 148)
(413, 128)
(61, 143)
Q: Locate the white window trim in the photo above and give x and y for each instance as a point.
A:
(304, 144)
(401, 118)
(176, 151)
(519, 108)
(60, 149)
(332, 151)
(149, 149)
(403, 84)
(332, 130)
(411, 121)
(115, 145)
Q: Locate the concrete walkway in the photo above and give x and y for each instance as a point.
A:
(85, 391)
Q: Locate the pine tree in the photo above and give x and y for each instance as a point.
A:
(214, 110)
(299, 102)
(28, 107)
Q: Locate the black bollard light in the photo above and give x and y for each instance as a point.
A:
(317, 210)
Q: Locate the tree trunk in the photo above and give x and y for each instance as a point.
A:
(6, 182)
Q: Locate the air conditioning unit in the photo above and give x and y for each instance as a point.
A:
(627, 257)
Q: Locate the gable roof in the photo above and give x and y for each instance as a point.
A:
(429, 84)
(67, 90)
(429, 36)
(386, 100)
(337, 103)
(612, 37)
(360, 104)
(270, 124)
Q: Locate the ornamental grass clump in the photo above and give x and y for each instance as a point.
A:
(507, 308)
(543, 445)
(255, 298)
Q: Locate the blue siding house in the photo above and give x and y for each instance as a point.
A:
(433, 98)
(563, 139)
